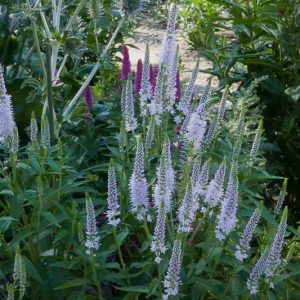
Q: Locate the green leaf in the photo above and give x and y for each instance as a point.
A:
(73, 283)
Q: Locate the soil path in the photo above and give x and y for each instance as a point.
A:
(151, 32)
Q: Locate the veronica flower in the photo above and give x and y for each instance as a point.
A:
(45, 132)
(274, 257)
(215, 189)
(196, 128)
(256, 142)
(227, 218)
(168, 47)
(205, 96)
(33, 128)
(187, 210)
(158, 242)
(88, 96)
(113, 211)
(203, 179)
(185, 103)
(211, 131)
(153, 75)
(138, 185)
(222, 107)
(243, 246)
(162, 193)
(172, 83)
(256, 273)
(126, 65)
(156, 105)
(196, 175)
(19, 273)
(145, 90)
(178, 86)
(150, 134)
(138, 76)
(122, 136)
(281, 197)
(170, 175)
(128, 107)
(240, 134)
(14, 141)
(7, 122)
(92, 240)
(172, 279)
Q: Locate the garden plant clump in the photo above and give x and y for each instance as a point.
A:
(152, 192)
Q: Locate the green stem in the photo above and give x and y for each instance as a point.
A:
(96, 280)
(145, 226)
(119, 250)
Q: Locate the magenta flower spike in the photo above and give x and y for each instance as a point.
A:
(138, 76)
(178, 86)
(88, 96)
(126, 65)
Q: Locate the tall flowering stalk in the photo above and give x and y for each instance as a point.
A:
(19, 274)
(187, 210)
(172, 84)
(150, 134)
(274, 258)
(203, 179)
(281, 197)
(126, 65)
(257, 272)
(162, 192)
(170, 175)
(113, 211)
(196, 128)
(156, 105)
(88, 96)
(158, 246)
(7, 122)
(138, 76)
(256, 142)
(227, 218)
(168, 47)
(153, 76)
(45, 132)
(33, 128)
(92, 239)
(139, 199)
(185, 103)
(215, 189)
(172, 280)
(128, 107)
(145, 90)
(178, 86)
(243, 246)
(239, 135)
(222, 107)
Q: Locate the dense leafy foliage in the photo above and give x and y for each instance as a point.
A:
(135, 191)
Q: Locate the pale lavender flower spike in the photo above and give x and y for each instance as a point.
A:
(274, 258)
(256, 142)
(215, 189)
(187, 210)
(172, 83)
(113, 211)
(128, 107)
(185, 103)
(257, 272)
(227, 218)
(170, 175)
(195, 176)
(172, 280)
(145, 91)
(168, 47)
(139, 199)
(243, 246)
(196, 128)
(162, 192)
(158, 246)
(7, 123)
(222, 107)
(156, 105)
(92, 240)
(281, 197)
(203, 179)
